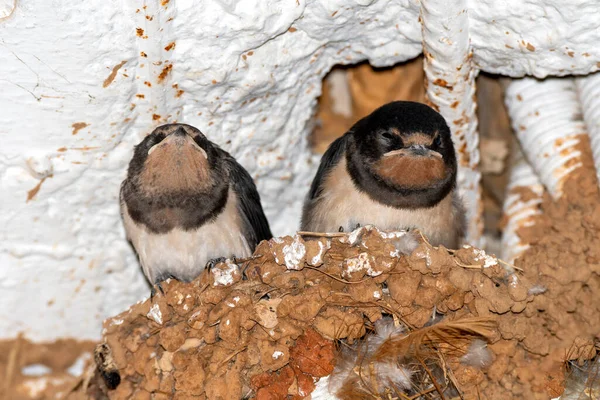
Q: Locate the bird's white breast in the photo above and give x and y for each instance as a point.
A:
(184, 254)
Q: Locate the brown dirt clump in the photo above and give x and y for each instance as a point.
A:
(35, 371)
(267, 329)
(563, 263)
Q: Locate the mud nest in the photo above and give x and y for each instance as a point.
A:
(272, 326)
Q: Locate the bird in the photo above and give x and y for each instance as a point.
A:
(187, 204)
(394, 169)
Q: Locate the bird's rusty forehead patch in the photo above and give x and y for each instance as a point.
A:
(416, 138)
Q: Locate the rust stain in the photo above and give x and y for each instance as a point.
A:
(164, 2)
(455, 104)
(335, 12)
(147, 84)
(586, 54)
(598, 64)
(519, 97)
(250, 53)
(139, 32)
(149, 18)
(292, 29)
(33, 192)
(77, 126)
(143, 54)
(85, 148)
(140, 96)
(165, 72)
(214, 82)
(179, 91)
(443, 83)
(155, 117)
(113, 74)
(62, 149)
(508, 47)
(530, 47)
(170, 46)
(571, 53)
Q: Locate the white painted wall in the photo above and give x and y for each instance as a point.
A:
(249, 71)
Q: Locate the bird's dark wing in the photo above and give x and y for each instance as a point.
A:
(256, 224)
(329, 160)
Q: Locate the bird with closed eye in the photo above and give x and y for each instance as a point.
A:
(394, 169)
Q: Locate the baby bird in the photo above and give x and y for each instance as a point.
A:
(395, 169)
(185, 202)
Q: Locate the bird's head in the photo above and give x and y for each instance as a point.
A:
(403, 151)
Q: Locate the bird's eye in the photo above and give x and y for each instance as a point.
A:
(437, 141)
(387, 135)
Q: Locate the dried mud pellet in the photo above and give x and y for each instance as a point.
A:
(229, 327)
(141, 394)
(427, 297)
(151, 378)
(518, 307)
(419, 317)
(315, 251)
(498, 368)
(167, 383)
(189, 374)
(143, 357)
(313, 354)
(482, 307)
(455, 301)
(172, 337)
(198, 318)
(365, 292)
(278, 385)
(461, 278)
(288, 280)
(133, 341)
(227, 385)
(302, 307)
(266, 312)
(403, 287)
(268, 271)
(334, 323)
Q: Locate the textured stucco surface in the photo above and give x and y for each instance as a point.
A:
(82, 82)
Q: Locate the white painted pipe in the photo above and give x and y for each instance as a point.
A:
(519, 210)
(546, 117)
(588, 89)
(451, 75)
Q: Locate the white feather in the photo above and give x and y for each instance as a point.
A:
(537, 289)
(478, 355)
(584, 382)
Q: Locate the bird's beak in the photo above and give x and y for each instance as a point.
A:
(178, 140)
(415, 150)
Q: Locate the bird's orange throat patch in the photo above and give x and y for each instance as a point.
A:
(175, 168)
(411, 171)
